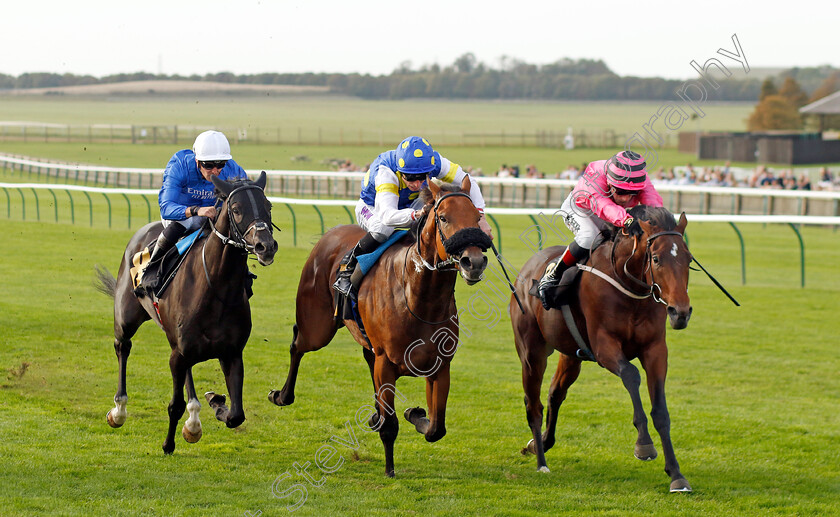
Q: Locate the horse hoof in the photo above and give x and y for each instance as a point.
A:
(276, 397)
(414, 412)
(168, 448)
(529, 448)
(680, 485)
(390, 473)
(113, 423)
(645, 452)
(215, 400)
(189, 436)
(544, 470)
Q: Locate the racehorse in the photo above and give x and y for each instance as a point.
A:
(619, 310)
(204, 312)
(406, 306)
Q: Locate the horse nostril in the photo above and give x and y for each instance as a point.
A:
(672, 311)
(259, 248)
(465, 263)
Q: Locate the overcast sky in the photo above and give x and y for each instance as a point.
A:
(247, 36)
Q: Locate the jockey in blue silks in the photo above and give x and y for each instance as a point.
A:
(390, 197)
(187, 196)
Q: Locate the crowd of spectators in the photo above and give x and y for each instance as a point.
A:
(717, 176)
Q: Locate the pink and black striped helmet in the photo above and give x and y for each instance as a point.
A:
(626, 171)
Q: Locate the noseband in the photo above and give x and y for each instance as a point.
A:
(649, 290)
(238, 237)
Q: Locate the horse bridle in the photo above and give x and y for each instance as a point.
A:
(469, 237)
(238, 239)
(438, 266)
(649, 289)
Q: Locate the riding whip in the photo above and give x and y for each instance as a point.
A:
(716, 282)
(512, 289)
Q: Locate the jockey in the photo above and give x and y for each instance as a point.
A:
(187, 196)
(390, 198)
(603, 194)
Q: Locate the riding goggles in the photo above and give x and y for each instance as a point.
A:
(213, 164)
(622, 192)
(413, 177)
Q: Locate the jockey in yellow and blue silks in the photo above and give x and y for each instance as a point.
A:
(390, 197)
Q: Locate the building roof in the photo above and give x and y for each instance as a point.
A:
(826, 106)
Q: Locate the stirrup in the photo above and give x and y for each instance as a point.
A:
(342, 284)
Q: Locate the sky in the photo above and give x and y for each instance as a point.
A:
(645, 39)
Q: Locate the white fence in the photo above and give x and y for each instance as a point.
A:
(498, 192)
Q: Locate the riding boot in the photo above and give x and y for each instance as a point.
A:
(165, 241)
(343, 282)
(554, 270)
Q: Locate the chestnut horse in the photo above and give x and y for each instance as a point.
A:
(406, 304)
(204, 312)
(650, 265)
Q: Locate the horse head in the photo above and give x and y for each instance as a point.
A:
(667, 260)
(247, 214)
(453, 226)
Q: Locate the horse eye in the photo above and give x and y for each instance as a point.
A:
(655, 259)
(443, 219)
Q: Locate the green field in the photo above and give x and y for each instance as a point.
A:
(753, 394)
(430, 117)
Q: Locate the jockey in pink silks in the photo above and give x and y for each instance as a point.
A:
(602, 195)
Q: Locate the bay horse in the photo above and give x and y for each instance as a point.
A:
(204, 312)
(406, 305)
(650, 264)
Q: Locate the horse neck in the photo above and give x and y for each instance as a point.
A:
(422, 283)
(636, 263)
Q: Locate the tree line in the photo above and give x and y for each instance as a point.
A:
(465, 78)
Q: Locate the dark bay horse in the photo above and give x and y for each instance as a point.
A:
(406, 304)
(205, 311)
(650, 263)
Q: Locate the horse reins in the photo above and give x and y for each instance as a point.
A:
(649, 289)
(438, 266)
(238, 240)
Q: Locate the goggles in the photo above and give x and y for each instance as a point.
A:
(213, 164)
(413, 177)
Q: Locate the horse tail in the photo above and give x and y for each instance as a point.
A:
(105, 282)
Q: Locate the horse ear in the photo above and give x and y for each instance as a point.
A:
(261, 181)
(645, 226)
(682, 223)
(465, 184)
(223, 186)
(433, 187)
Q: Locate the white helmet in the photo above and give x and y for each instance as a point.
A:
(211, 145)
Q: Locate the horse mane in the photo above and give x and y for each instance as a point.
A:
(236, 182)
(426, 195)
(658, 216)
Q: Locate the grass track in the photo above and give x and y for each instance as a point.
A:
(753, 394)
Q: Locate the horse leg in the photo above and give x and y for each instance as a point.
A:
(178, 366)
(116, 417)
(568, 369)
(286, 396)
(370, 358)
(655, 363)
(192, 427)
(384, 383)
(630, 377)
(533, 369)
(234, 371)
(126, 322)
(437, 392)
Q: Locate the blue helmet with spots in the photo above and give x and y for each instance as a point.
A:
(415, 156)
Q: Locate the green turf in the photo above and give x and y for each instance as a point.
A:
(330, 114)
(753, 394)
